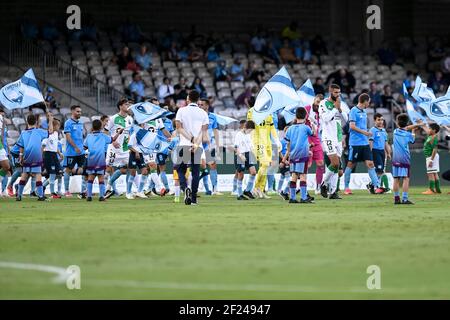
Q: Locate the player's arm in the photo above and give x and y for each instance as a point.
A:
(355, 128)
(388, 150)
(117, 135)
(327, 115)
(70, 141)
(216, 137)
(182, 132)
(50, 122)
(288, 152)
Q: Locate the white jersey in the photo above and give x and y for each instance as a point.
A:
(330, 121)
(154, 125)
(243, 142)
(117, 122)
(51, 143)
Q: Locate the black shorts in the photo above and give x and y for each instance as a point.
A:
(378, 160)
(283, 169)
(161, 159)
(70, 162)
(51, 163)
(240, 165)
(359, 153)
(15, 160)
(134, 163)
(210, 155)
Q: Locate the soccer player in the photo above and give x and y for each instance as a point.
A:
(359, 148)
(136, 161)
(380, 149)
(236, 173)
(4, 161)
(331, 115)
(245, 158)
(284, 169)
(161, 157)
(14, 152)
(297, 152)
(211, 147)
(74, 153)
(30, 155)
(51, 162)
(430, 150)
(314, 140)
(262, 140)
(401, 158)
(117, 154)
(95, 144)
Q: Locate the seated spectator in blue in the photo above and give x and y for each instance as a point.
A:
(49, 31)
(271, 55)
(258, 42)
(29, 29)
(298, 49)
(386, 54)
(50, 98)
(221, 73)
(144, 58)
(237, 70)
(137, 87)
(173, 54)
(307, 55)
(199, 87)
(212, 54)
(375, 96)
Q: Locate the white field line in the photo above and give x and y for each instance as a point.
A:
(60, 273)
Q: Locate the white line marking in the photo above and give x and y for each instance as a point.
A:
(61, 273)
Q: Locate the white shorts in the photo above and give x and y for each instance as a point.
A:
(331, 147)
(3, 155)
(116, 158)
(435, 166)
(150, 158)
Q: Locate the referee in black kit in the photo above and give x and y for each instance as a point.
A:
(192, 127)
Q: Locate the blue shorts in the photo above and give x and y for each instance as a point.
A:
(298, 167)
(400, 172)
(379, 158)
(359, 153)
(161, 159)
(31, 169)
(98, 172)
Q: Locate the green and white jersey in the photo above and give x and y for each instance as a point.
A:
(430, 144)
(154, 125)
(330, 121)
(117, 122)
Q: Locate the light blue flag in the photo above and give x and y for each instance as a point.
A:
(413, 114)
(150, 142)
(421, 92)
(146, 111)
(306, 94)
(278, 93)
(21, 93)
(288, 115)
(223, 120)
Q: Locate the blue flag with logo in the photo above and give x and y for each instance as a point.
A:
(223, 120)
(21, 93)
(146, 111)
(413, 114)
(306, 94)
(150, 142)
(289, 115)
(278, 93)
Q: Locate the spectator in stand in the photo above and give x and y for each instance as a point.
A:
(318, 48)
(237, 70)
(271, 55)
(137, 87)
(130, 32)
(255, 73)
(386, 54)
(435, 55)
(144, 59)
(183, 84)
(356, 98)
(258, 42)
(180, 93)
(173, 54)
(221, 73)
(375, 96)
(344, 79)
(387, 98)
(291, 32)
(199, 87)
(212, 54)
(243, 100)
(49, 31)
(124, 61)
(318, 86)
(165, 90)
(410, 80)
(287, 53)
(195, 53)
(437, 82)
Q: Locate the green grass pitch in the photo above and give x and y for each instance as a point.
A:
(228, 249)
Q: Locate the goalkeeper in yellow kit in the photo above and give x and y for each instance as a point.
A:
(263, 146)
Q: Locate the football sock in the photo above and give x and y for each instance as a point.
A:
(320, 170)
(143, 182)
(235, 184)
(432, 185)
(250, 183)
(373, 177)
(39, 189)
(213, 176)
(347, 175)
(405, 196)
(292, 190)
(52, 182)
(304, 192)
(270, 182)
(130, 181)
(438, 186)
(239, 188)
(101, 189)
(89, 188)
(22, 184)
(205, 180)
(385, 181)
(163, 177)
(14, 177)
(66, 181)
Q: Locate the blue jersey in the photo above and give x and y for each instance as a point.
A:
(31, 140)
(379, 138)
(297, 135)
(213, 124)
(15, 149)
(283, 146)
(96, 143)
(401, 155)
(359, 117)
(75, 128)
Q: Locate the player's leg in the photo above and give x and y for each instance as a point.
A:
(320, 169)
(101, 187)
(176, 185)
(68, 166)
(4, 165)
(405, 188)
(235, 179)
(130, 180)
(240, 193)
(195, 172)
(204, 173)
(431, 184)
(162, 172)
(90, 183)
(293, 185)
(304, 189)
(39, 186)
(347, 176)
(143, 183)
(437, 183)
(396, 188)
